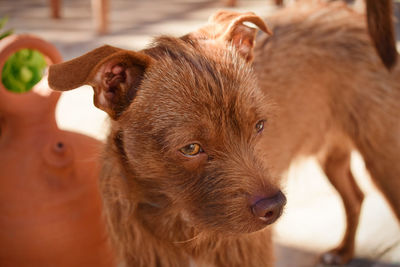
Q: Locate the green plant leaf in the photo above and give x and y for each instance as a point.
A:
(23, 70)
(25, 74)
(5, 34)
(3, 22)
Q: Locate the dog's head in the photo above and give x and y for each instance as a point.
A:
(188, 119)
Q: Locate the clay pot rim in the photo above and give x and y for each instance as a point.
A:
(16, 42)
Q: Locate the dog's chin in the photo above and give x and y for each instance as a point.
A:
(251, 227)
(233, 231)
(227, 227)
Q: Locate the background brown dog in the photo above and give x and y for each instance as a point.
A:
(333, 95)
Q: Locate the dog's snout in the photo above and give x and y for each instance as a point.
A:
(269, 209)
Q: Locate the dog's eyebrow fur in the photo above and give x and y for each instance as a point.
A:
(203, 66)
(185, 52)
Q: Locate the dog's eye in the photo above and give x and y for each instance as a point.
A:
(191, 150)
(260, 126)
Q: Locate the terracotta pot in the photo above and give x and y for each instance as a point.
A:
(50, 208)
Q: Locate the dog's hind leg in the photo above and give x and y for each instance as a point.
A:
(337, 168)
(382, 161)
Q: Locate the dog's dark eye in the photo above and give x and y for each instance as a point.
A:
(260, 126)
(191, 150)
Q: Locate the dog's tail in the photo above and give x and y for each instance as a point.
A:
(381, 30)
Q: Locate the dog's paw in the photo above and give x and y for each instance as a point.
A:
(336, 257)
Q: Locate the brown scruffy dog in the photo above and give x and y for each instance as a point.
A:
(183, 180)
(201, 134)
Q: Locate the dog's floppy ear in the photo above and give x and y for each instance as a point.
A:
(229, 27)
(115, 75)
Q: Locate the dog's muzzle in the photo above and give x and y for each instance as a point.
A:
(269, 209)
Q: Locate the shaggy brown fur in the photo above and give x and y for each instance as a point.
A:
(334, 95)
(165, 208)
(324, 92)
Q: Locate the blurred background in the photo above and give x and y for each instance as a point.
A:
(314, 219)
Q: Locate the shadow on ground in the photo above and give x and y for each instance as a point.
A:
(291, 256)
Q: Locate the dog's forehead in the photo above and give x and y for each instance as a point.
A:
(190, 90)
(197, 82)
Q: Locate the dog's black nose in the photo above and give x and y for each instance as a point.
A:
(269, 209)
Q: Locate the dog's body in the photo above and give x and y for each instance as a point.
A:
(190, 175)
(333, 96)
